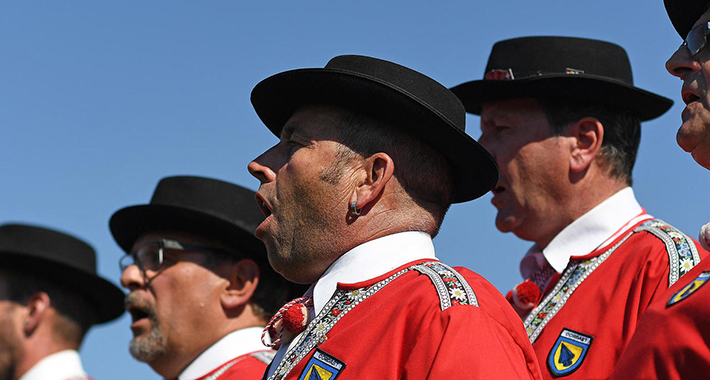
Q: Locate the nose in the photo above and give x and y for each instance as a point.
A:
(132, 278)
(262, 167)
(681, 63)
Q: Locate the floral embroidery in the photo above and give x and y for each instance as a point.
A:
(575, 273)
(682, 252)
(337, 307)
(682, 255)
(450, 285)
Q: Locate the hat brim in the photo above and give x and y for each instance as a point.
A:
(276, 98)
(106, 298)
(574, 88)
(129, 224)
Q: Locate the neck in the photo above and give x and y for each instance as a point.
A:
(581, 197)
(36, 350)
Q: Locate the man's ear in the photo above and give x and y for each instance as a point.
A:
(243, 278)
(36, 313)
(588, 135)
(379, 169)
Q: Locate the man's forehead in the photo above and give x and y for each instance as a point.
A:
(508, 107)
(313, 118)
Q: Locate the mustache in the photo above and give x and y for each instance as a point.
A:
(135, 302)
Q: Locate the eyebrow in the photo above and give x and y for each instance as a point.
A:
(287, 130)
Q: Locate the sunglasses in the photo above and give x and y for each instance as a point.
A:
(697, 38)
(151, 256)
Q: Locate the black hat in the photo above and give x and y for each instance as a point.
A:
(561, 68)
(202, 206)
(684, 13)
(61, 258)
(208, 208)
(387, 91)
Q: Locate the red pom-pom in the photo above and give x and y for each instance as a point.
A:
(295, 318)
(527, 292)
(509, 296)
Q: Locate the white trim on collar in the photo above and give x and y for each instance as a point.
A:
(595, 229)
(232, 345)
(371, 260)
(364, 262)
(58, 366)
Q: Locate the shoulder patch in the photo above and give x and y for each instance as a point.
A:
(682, 252)
(452, 287)
(322, 366)
(568, 352)
(689, 289)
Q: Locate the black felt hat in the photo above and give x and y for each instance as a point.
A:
(61, 258)
(208, 208)
(202, 206)
(561, 68)
(684, 13)
(387, 91)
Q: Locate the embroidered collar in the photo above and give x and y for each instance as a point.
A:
(58, 366)
(232, 345)
(365, 262)
(371, 260)
(596, 229)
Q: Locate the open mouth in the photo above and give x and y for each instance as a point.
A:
(265, 209)
(498, 189)
(137, 314)
(689, 97)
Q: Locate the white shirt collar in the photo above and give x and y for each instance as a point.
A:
(58, 366)
(595, 229)
(365, 262)
(371, 260)
(232, 345)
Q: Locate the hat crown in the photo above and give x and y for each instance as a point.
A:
(529, 57)
(219, 199)
(684, 13)
(49, 245)
(419, 86)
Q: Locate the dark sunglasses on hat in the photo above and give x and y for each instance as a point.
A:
(697, 38)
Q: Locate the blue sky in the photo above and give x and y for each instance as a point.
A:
(102, 99)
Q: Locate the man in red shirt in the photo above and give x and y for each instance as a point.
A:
(671, 341)
(200, 287)
(562, 118)
(370, 157)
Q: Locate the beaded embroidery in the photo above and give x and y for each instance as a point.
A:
(571, 278)
(450, 285)
(682, 256)
(682, 252)
(337, 307)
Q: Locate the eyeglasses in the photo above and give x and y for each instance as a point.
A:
(151, 256)
(697, 38)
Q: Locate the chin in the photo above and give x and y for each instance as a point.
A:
(702, 157)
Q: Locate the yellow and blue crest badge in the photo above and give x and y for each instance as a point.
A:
(689, 289)
(322, 366)
(568, 352)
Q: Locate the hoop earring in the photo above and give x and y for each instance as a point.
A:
(353, 208)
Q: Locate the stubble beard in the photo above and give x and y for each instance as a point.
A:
(10, 354)
(150, 348)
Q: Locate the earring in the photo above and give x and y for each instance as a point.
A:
(353, 208)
